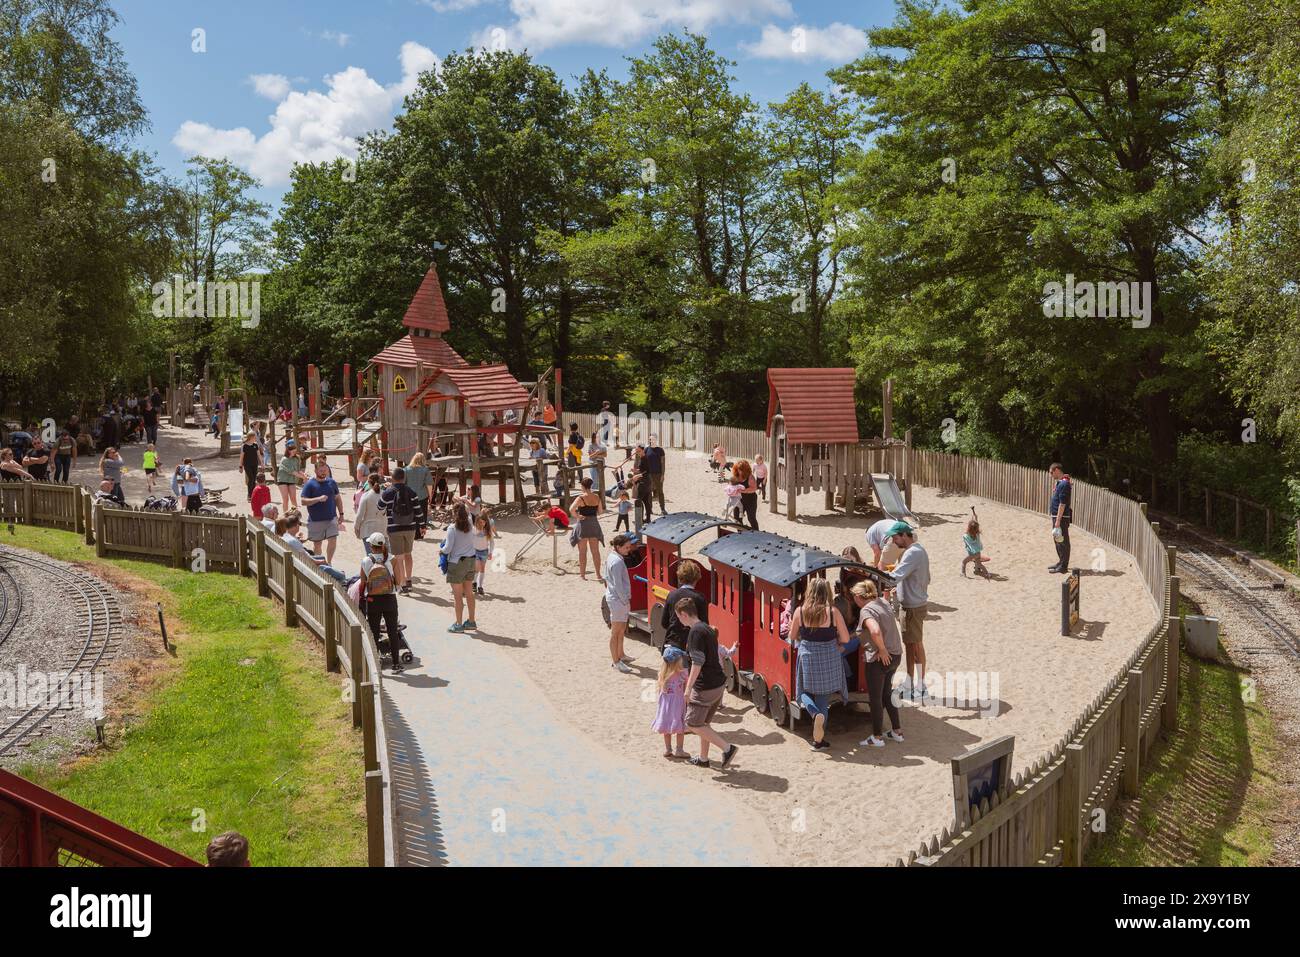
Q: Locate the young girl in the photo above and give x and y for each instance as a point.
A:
(974, 549)
(733, 501)
(288, 471)
(150, 463)
(178, 486)
(760, 475)
(484, 545)
(670, 719)
(718, 459)
(624, 513)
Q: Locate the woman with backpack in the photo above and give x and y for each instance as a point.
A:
(379, 590)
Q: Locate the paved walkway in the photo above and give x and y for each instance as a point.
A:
(501, 780)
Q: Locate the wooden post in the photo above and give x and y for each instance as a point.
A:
(829, 480)
(1174, 631)
(88, 518)
(773, 473)
(1178, 496)
(270, 444)
(262, 590)
(791, 478)
(242, 556)
(1131, 731)
(289, 584)
(293, 405)
(1268, 529)
(375, 818)
(99, 531)
(331, 629)
(369, 750)
(907, 468)
(358, 663)
(178, 541)
(1071, 810)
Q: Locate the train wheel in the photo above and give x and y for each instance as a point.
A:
(733, 678)
(780, 705)
(604, 610)
(759, 693)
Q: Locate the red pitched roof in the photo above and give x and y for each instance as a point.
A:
(427, 310)
(485, 388)
(817, 404)
(409, 350)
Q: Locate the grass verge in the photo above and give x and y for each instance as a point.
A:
(241, 729)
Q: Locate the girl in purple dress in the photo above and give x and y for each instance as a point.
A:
(670, 719)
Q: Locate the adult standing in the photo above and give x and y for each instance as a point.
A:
(641, 487)
(458, 548)
(656, 464)
(379, 584)
(705, 685)
(1062, 515)
(324, 504)
(65, 455)
(586, 508)
(110, 470)
(596, 453)
(688, 574)
(883, 650)
(37, 459)
(418, 479)
(399, 503)
(743, 475)
(818, 631)
(878, 539)
(149, 416)
(618, 595)
(190, 485)
(250, 461)
(370, 517)
(913, 576)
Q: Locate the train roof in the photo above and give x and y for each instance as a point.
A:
(780, 560)
(679, 526)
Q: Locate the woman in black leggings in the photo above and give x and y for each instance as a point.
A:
(743, 475)
(884, 649)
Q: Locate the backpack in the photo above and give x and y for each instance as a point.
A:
(403, 510)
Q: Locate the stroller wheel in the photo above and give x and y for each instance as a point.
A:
(407, 656)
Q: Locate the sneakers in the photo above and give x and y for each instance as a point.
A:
(699, 763)
(819, 728)
(893, 735)
(727, 755)
(621, 666)
(457, 628)
(871, 741)
(470, 624)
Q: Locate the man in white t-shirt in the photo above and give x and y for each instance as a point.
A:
(881, 542)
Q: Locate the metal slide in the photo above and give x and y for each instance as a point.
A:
(890, 499)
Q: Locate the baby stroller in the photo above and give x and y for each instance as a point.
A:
(382, 641)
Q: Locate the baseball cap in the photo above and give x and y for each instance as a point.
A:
(901, 528)
(377, 539)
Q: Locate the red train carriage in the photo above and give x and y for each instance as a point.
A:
(753, 573)
(653, 579)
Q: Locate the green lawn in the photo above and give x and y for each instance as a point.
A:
(1207, 791)
(243, 730)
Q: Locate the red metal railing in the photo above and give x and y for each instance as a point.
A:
(40, 829)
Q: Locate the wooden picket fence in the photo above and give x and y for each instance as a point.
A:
(232, 545)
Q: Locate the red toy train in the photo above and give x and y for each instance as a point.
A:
(746, 578)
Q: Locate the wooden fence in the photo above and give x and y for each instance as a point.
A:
(237, 546)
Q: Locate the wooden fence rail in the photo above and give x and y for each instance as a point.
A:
(232, 545)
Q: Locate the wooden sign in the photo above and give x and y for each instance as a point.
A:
(1070, 602)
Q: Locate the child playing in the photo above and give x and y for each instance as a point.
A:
(974, 549)
(670, 719)
(718, 459)
(760, 475)
(733, 501)
(150, 463)
(624, 513)
(261, 495)
(484, 544)
(552, 518)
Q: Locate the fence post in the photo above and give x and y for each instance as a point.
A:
(773, 476)
(241, 550)
(1173, 635)
(27, 504)
(260, 542)
(290, 585)
(88, 516)
(358, 664)
(369, 747)
(907, 468)
(375, 818)
(331, 629)
(1131, 729)
(1072, 807)
(100, 551)
(178, 541)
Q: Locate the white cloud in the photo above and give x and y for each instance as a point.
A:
(838, 43)
(273, 86)
(451, 6)
(342, 39)
(540, 24)
(312, 126)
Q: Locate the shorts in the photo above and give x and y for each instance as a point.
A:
(913, 625)
(150, 471)
(401, 543)
(461, 570)
(619, 610)
(481, 554)
(320, 531)
(702, 705)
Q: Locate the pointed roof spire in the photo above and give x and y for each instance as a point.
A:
(427, 310)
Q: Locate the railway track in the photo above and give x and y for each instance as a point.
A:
(98, 620)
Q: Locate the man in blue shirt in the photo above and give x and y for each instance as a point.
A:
(1059, 509)
(324, 511)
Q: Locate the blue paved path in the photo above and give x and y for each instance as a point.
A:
(487, 775)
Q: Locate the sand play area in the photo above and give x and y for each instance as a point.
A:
(846, 806)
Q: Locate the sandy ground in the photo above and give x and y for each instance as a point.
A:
(849, 805)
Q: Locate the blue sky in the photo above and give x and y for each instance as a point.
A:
(281, 81)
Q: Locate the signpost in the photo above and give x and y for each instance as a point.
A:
(1070, 602)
